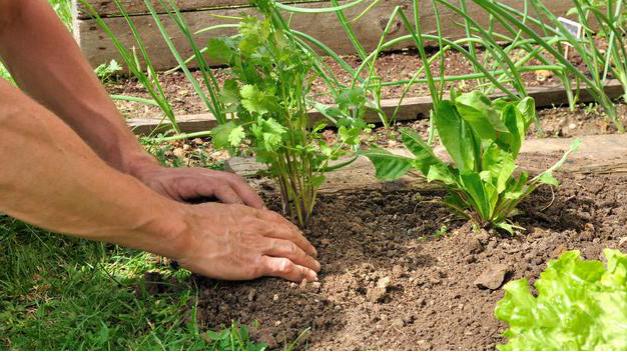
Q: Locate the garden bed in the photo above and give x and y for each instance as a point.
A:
(400, 272)
(394, 278)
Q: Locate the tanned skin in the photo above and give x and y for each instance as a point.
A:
(69, 164)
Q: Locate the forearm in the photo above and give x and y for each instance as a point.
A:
(47, 64)
(51, 178)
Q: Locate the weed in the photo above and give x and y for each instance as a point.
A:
(106, 71)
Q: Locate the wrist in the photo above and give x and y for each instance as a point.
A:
(140, 164)
(172, 233)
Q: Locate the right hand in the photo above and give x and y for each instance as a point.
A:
(236, 242)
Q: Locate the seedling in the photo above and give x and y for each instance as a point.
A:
(483, 139)
(266, 99)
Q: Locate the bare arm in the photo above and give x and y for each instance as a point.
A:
(47, 64)
(51, 178)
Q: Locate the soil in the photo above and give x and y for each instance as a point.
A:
(399, 271)
(392, 66)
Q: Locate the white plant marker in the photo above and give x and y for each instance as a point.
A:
(575, 28)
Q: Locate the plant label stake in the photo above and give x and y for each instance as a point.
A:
(575, 28)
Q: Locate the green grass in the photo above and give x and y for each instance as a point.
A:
(62, 293)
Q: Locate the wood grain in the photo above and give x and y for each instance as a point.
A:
(602, 154)
(323, 26)
(107, 8)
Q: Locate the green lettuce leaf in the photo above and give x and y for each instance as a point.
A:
(580, 305)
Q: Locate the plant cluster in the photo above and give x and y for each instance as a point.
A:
(267, 98)
(580, 305)
(483, 139)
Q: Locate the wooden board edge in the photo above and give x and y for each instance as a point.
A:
(413, 108)
(599, 155)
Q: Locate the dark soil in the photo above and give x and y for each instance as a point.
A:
(393, 66)
(399, 271)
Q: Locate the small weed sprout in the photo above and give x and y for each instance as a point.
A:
(107, 70)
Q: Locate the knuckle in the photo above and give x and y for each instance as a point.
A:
(284, 266)
(256, 269)
(292, 248)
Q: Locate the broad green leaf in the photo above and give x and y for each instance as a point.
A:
(456, 136)
(474, 107)
(425, 158)
(350, 136)
(273, 126)
(387, 165)
(580, 305)
(229, 95)
(440, 172)
(254, 34)
(220, 49)
(505, 226)
(516, 126)
(527, 109)
(475, 188)
(221, 135)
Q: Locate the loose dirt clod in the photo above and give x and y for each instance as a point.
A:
(493, 277)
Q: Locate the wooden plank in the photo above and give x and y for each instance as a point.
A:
(411, 109)
(107, 8)
(602, 154)
(324, 26)
(98, 48)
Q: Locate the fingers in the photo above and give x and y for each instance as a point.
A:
(289, 250)
(286, 269)
(285, 230)
(227, 195)
(245, 192)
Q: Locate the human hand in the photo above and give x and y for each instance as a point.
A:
(183, 184)
(236, 242)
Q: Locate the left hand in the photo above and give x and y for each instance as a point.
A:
(185, 184)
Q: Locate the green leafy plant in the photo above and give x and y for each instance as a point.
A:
(234, 338)
(547, 35)
(107, 70)
(483, 139)
(580, 305)
(267, 102)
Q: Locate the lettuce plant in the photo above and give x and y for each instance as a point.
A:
(267, 101)
(483, 139)
(581, 305)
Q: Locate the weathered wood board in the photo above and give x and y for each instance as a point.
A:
(602, 154)
(411, 109)
(324, 26)
(108, 8)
